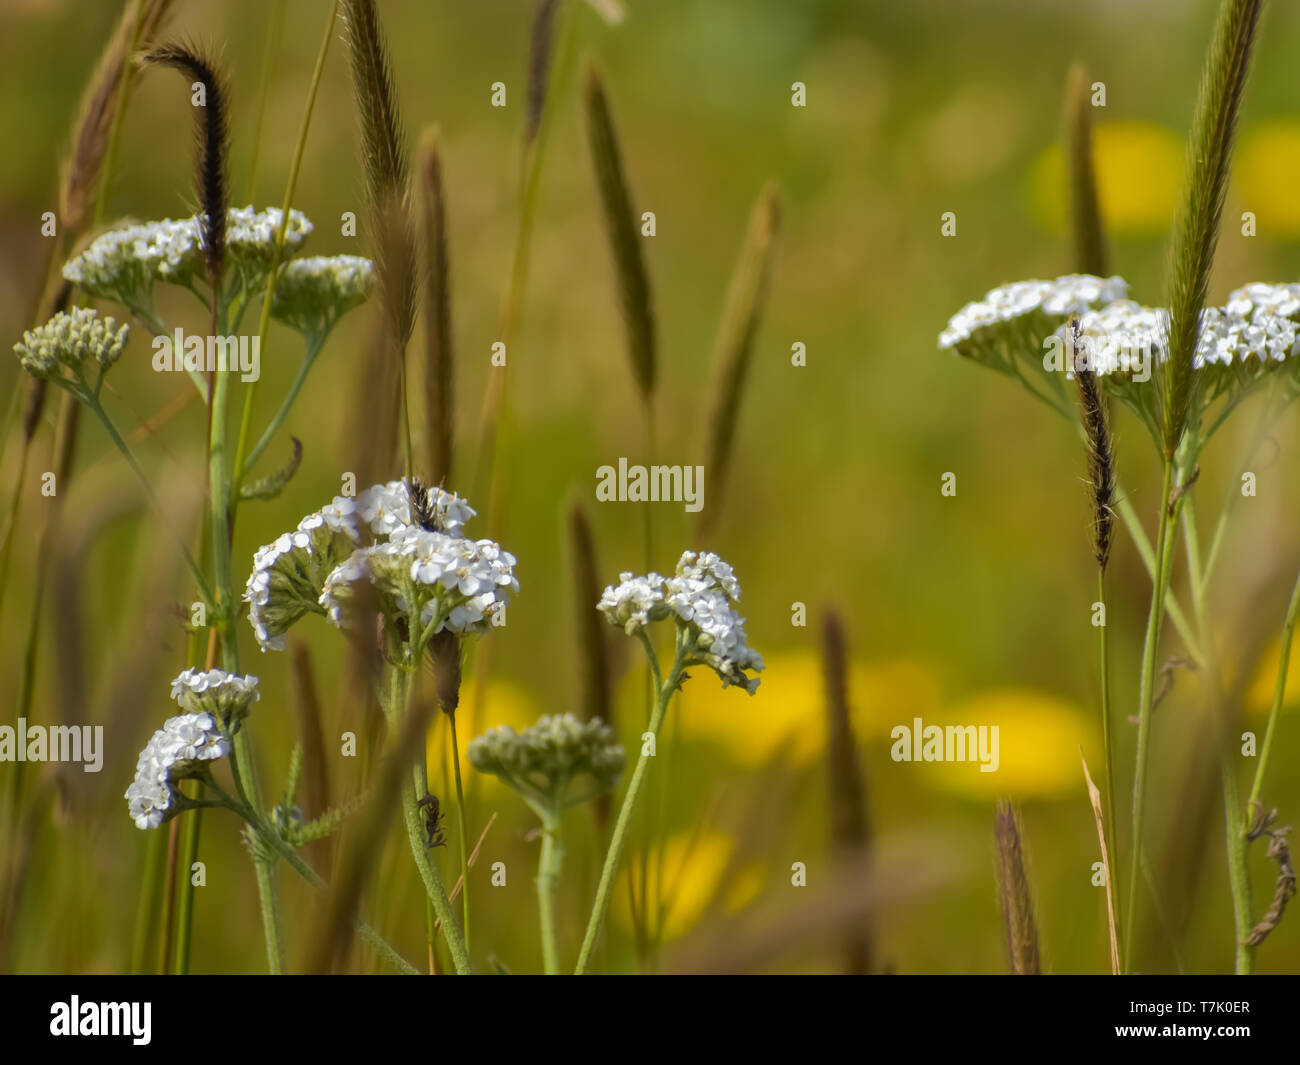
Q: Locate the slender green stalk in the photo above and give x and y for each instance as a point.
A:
(147, 907)
(604, 890)
(268, 434)
(1279, 694)
(461, 828)
(97, 409)
(268, 835)
(433, 886)
(1238, 871)
(1112, 847)
(548, 876)
(185, 910)
(1146, 690)
(241, 463)
(274, 29)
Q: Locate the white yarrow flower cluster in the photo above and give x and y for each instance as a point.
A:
(181, 748)
(386, 508)
(423, 575)
(225, 696)
(702, 598)
(123, 264)
(444, 581)
(68, 339)
(1072, 294)
(289, 573)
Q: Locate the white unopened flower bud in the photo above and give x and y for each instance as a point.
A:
(555, 763)
(68, 339)
(313, 294)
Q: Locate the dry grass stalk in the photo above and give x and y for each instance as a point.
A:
(1013, 890)
(539, 65)
(81, 168)
(850, 836)
(1094, 797)
(386, 167)
(622, 232)
(212, 148)
(357, 864)
(439, 364)
(734, 347)
(1089, 236)
(1209, 157)
(311, 731)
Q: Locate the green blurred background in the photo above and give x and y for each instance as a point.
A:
(971, 609)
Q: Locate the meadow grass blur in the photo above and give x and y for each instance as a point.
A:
(970, 609)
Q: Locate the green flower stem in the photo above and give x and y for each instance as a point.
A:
(605, 889)
(241, 463)
(270, 836)
(1108, 741)
(1146, 690)
(185, 911)
(241, 766)
(313, 349)
(433, 886)
(90, 400)
(1279, 694)
(461, 828)
(548, 876)
(1238, 871)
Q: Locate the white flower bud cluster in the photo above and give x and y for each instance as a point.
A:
(250, 233)
(1072, 294)
(312, 294)
(545, 759)
(68, 339)
(181, 748)
(702, 597)
(225, 696)
(462, 582)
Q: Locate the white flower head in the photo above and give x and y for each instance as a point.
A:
(69, 339)
(386, 508)
(182, 748)
(432, 580)
(225, 696)
(701, 598)
(635, 602)
(290, 573)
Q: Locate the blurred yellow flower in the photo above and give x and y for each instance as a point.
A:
(1259, 697)
(1265, 170)
(1139, 170)
(1039, 737)
(694, 864)
(788, 712)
